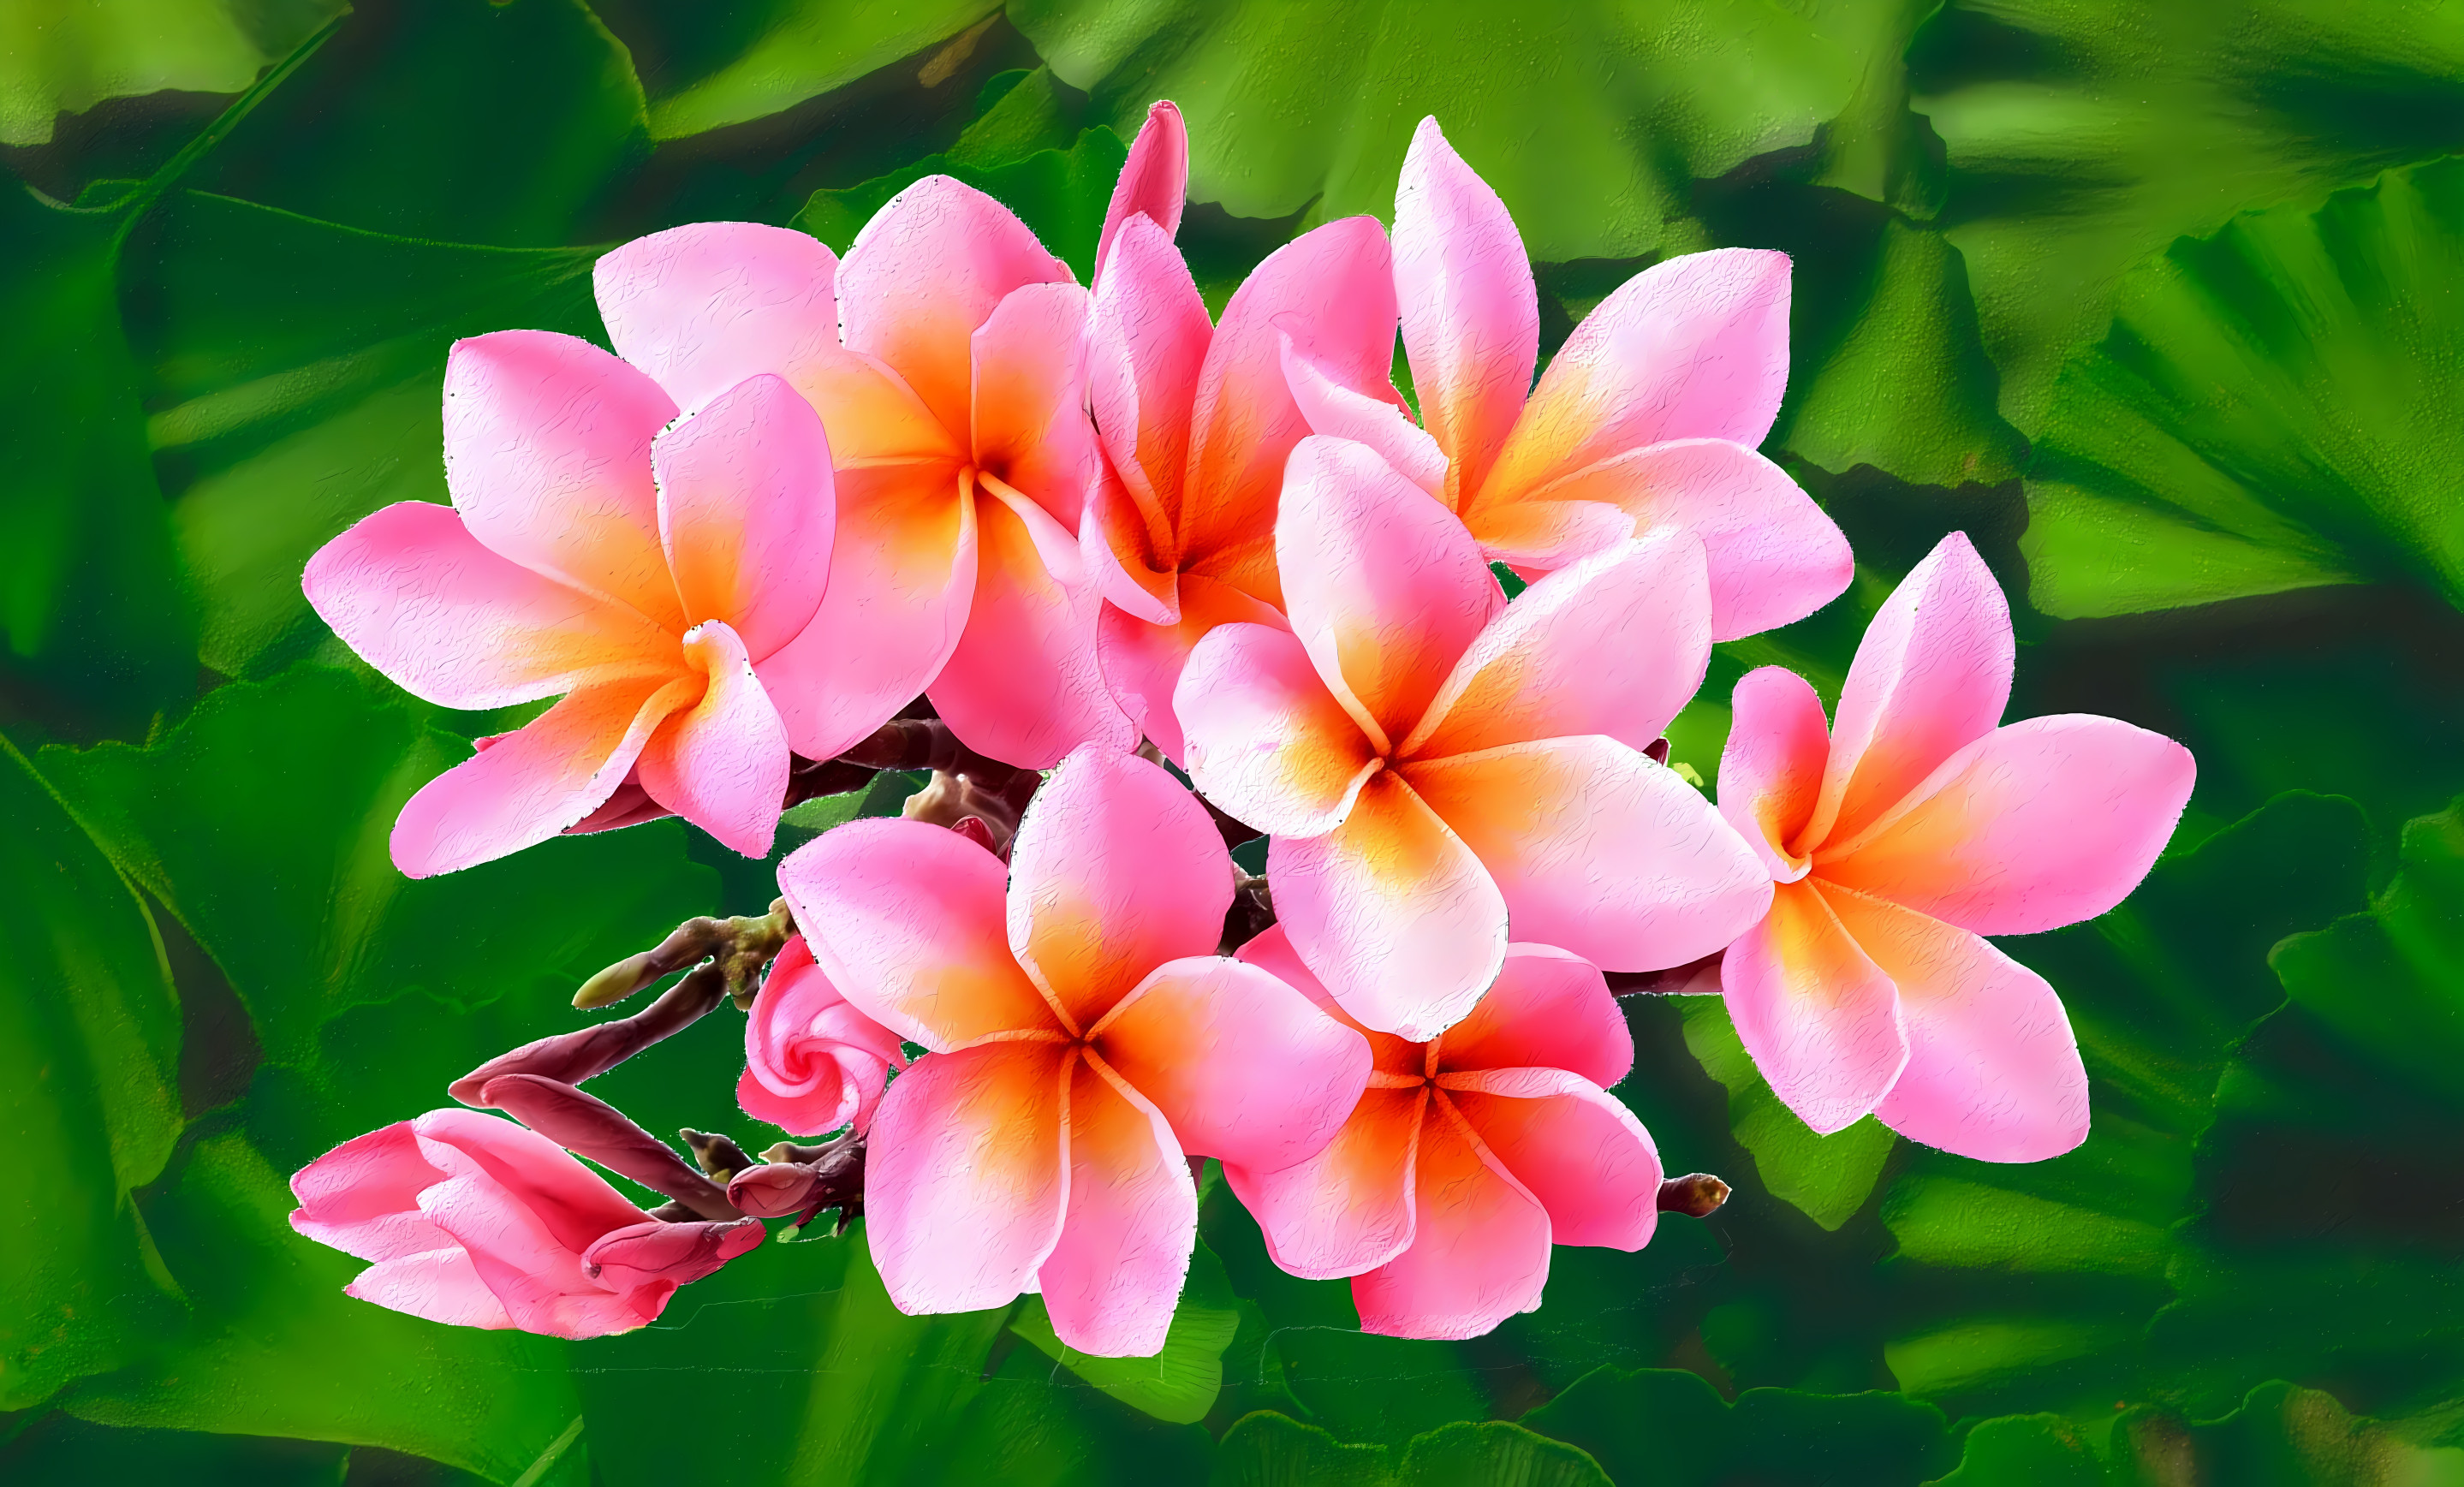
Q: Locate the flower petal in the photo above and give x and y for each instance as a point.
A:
(1470, 313)
(547, 453)
(1264, 739)
(722, 763)
(435, 1285)
(1383, 586)
(1342, 412)
(524, 788)
(704, 306)
(1615, 644)
(1533, 538)
(1115, 870)
(1993, 1071)
(1242, 1065)
(539, 1279)
(1271, 950)
(1931, 676)
(1770, 770)
(908, 923)
(416, 595)
(1693, 347)
(1150, 335)
(1575, 1147)
(1820, 1019)
(1392, 912)
(746, 511)
(1549, 1009)
(924, 273)
(1598, 850)
(2034, 826)
(1480, 1244)
(965, 1183)
(1029, 418)
(1142, 663)
(363, 1197)
(1773, 554)
(1126, 554)
(1348, 1207)
(1111, 1282)
(575, 1204)
(1154, 183)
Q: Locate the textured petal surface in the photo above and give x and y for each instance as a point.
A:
(1575, 1147)
(1599, 849)
(909, 922)
(1819, 1017)
(1262, 737)
(1773, 554)
(437, 1286)
(746, 510)
(1993, 1071)
(1470, 313)
(1770, 769)
(1550, 1009)
(1142, 663)
(1153, 182)
(1480, 1245)
(556, 770)
(964, 1182)
(704, 306)
(1931, 677)
(2034, 826)
(1615, 644)
(1030, 398)
(1151, 335)
(1127, 554)
(447, 619)
(1271, 950)
(363, 1197)
(1243, 1067)
(575, 1204)
(1348, 1207)
(1343, 412)
(1111, 1282)
(547, 453)
(1533, 538)
(722, 763)
(1383, 586)
(1115, 870)
(1392, 912)
(1693, 347)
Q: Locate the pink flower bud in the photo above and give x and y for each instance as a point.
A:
(812, 1063)
(652, 1253)
(774, 1189)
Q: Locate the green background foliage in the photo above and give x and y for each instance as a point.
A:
(2158, 304)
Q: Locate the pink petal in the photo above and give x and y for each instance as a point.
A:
(1332, 289)
(1348, 1207)
(1154, 180)
(722, 763)
(1615, 644)
(1112, 1281)
(539, 1279)
(909, 922)
(574, 1203)
(1115, 870)
(1124, 548)
(1242, 1065)
(1693, 347)
(1151, 337)
(746, 510)
(1480, 1245)
(1030, 425)
(964, 1182)
(1575, 1147)
(2034, 826)
(1993, 1072)
(812, 1063)
(665, 1256)
(1383, 586)
(1820, 1019)
(1470, 313)
(363, 1197)
(1341, 412)
(1392, 912)
(1142, 663)
(555, 771)
(1021, 686)
(1264, 739)
(416, 595)
(924, 273)
(547, 453)
(1774, 556)
(1272, 951)
(704, 306)
(1549, 1010)
(902, 580)
(1533, 538)
(1771, 771)
(435, 1285)
(1598, 850)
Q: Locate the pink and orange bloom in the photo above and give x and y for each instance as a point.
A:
(1899, 837)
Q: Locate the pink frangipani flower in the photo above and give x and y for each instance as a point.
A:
(1435, 765)
(1470, 1156)
(946, 357)
(657, 572)
(1196, 421)
(812, 1063)
(474, 1221)
(1084, 1041)
(1646, 419)
(1899, 836)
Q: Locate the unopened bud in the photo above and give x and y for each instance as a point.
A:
(1696, 1195)
(717, 1155)
(974, 829)
(774, 1189)
(615, 983)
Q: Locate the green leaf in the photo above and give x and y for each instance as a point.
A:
(89, 1063)
(1061, 195)
(1666, 1427)
(1178, 1385)
(63, 1449)
(1265, 1450)
(2025, 1451)
(1035, 1425)
(1827, 1177)
(65, 56)
(2276, 406)
(794, 50)
(1467, 1454)
(2284, 1436)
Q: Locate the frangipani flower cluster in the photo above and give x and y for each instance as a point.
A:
(1084, 551)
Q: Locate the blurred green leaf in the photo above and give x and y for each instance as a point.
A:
(67, 55)
(795, 49)
(2025, 1451)
(2284, 1436)
(1827, 1177)
(1664, 1428)
(1061, 195)
(1467, 1454)
(1178, 1385)
(1265, 1450)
